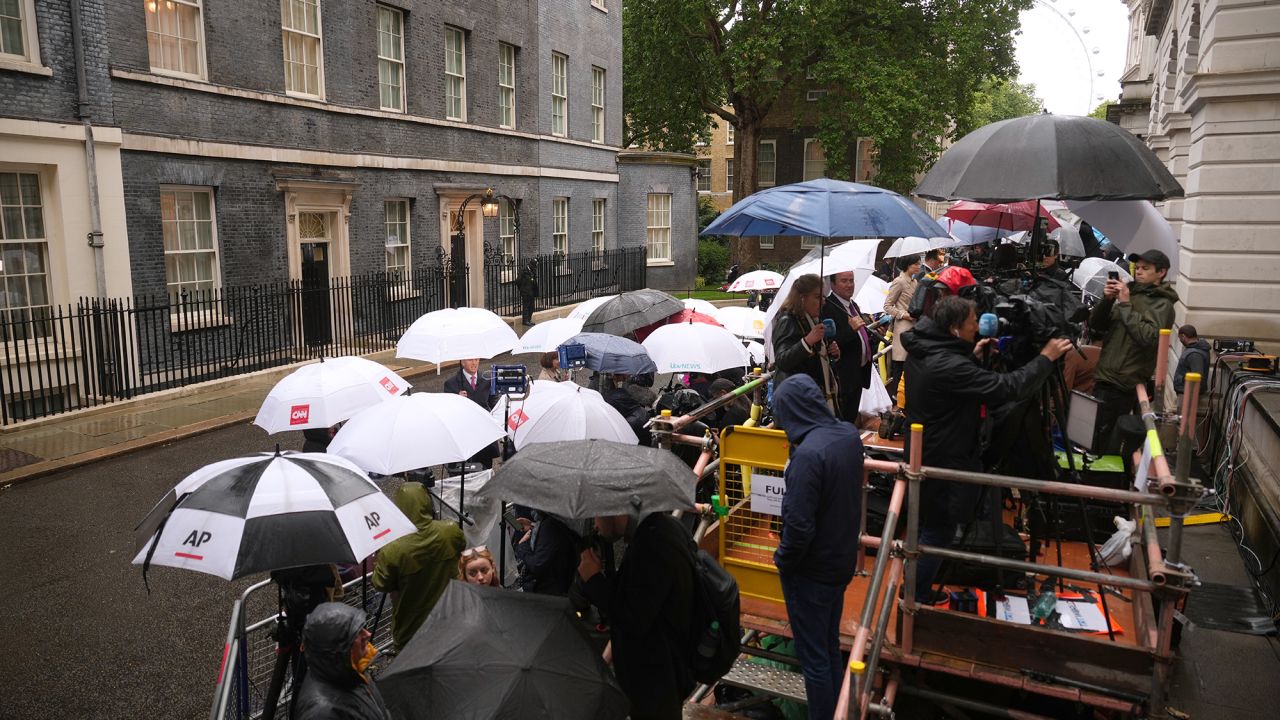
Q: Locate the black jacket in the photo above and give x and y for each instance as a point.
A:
(636, 415)
(332, 688)
(790, 355)
(527, 284)
(821, 508)
(849, 368)
(649, 604)
(946, 392)
(458, 382)
(1194, 359)
(550, 558)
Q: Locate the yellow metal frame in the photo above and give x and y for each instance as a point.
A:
(742, 449)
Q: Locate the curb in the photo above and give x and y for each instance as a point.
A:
(47, 467)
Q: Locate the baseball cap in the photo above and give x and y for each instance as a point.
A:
(1155, 257)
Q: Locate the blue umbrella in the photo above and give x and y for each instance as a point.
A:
(825, 208)
(610, 354)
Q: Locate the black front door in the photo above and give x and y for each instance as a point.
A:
(316, 329)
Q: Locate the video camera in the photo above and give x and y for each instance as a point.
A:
(1027, 313)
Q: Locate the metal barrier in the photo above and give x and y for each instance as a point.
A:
(249, 655)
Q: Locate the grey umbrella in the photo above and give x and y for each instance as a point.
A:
(485, 652)
(631, 311)
(611, 354)
(1048, 157)
(591, 478)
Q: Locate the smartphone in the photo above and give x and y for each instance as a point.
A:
(1113, 275)
(512, 521)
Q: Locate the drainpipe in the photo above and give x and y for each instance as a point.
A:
(90, 159)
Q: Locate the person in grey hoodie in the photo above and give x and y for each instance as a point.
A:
(819, 546)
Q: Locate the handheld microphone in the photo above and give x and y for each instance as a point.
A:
(829, 328)
(988, 325)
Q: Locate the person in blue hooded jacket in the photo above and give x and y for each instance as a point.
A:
(819, 545)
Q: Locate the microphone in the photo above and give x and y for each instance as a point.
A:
(988, 325)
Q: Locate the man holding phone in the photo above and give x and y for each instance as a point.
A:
(1129, 317)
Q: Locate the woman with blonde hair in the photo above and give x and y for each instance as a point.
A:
(798, 336)
(476, 566)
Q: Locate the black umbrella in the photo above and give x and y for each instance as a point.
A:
(631, 311)
(591, 478)
(1041, 157)
(485, 652)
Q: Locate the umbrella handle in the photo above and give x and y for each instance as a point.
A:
(155, 540)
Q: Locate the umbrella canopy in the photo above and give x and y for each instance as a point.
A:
(591, 478)
(611, 354)
(415, 431)
(324, 394)
(548, 335)
(588, 306)
(916, 246)
(1048, 156)
(756, 280)
(871, 295)
(966, 234)
(1091, 276)
(1002, 216)
(631, 310)
(456, 334)
(1069, 242)
(688, 316)
(269, 512)
(743, 321)
(856, 256)
(1133, 226)
(825, 208)
(756, 351)
(486, 652)
(702, 306)
(554, 412)
(694, 347)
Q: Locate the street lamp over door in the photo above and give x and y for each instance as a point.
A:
(458, 266)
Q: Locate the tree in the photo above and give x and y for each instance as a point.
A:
(997, 99)
(902, 72)
(1100, 112)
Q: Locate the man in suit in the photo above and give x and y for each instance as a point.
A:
(853, 366)
(468, 383)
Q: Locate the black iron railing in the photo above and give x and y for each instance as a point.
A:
(99, 350)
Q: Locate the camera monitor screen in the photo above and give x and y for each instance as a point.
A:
(1081, 419)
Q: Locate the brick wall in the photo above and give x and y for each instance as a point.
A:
(39, 97)
(644, 173)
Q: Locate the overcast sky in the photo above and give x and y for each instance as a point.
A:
(1051, 56)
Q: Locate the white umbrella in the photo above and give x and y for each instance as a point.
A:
(1091, 276)
(756, 351)
(1069, 242)
(743, 321)
(456, 334)
(548, 335)
(694, 347)
(415, 431)
(871, 295)
(966, 234)
(562, 411)
(701, 306)
(269, 512)
(909, 245)
(856, 256)
(324, 394)
(756, 280)
(1134, 226)
(586, 307)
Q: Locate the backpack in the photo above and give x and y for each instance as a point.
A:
(717, 629)
(928, 290)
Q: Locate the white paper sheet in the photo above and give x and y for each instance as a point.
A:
(767, 491)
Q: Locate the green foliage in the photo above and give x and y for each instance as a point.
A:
(707, 212)
(997, 99)
(713, 259)
(1100, 112)
(902, 72)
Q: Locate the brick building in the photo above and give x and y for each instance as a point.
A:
(258, 141)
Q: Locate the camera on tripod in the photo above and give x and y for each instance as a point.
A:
(508, 380)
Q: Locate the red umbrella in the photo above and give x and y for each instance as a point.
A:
(1004, 216)
(685, 315)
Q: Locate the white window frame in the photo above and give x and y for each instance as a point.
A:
(29, 58)
(599, 5)
(153, 9)
(804, 161)
(597, 225)
(728, 133)
(728, 175)
(393, 64)
(658, 229)
(10, 313)
(507, 238)
(506, 91)
(174, 287)
(704, 175)
(597, 104)
(455, 82)
(809, 242)
(559, 94)
(766, 242)
(286, 30)
(773, 170)
(560, 232)
(814, 95)
(393, 248)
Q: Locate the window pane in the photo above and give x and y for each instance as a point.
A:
(9, 194)
(14, 227)
(11, 36)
